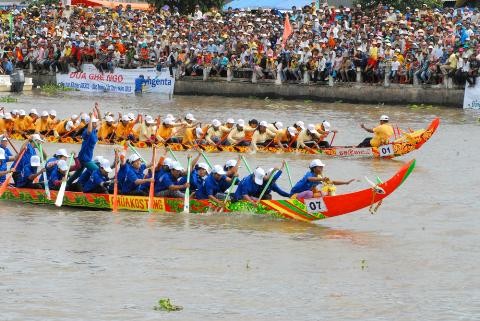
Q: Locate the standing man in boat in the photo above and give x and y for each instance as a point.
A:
(381, 133)
(310, 184)
(85, 155)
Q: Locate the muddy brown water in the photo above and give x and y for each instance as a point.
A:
(416, 259)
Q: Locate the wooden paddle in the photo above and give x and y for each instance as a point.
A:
(246, 165)
(331, 142)
(287, 169)
(270, 179)
(4, 186)
(115, 187)
(152, 183)
(61, 191)
(186, 201)
(10, 142)
(42, 165)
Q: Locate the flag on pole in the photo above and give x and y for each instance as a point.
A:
(287, 30)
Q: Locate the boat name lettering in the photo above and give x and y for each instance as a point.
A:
(354, 152)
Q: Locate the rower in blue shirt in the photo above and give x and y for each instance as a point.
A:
(28, 172)
(168, 184)
(3, 166)
(273, 184)
(231, 168)
(197, 177)
(85, 155)
(308, 186)
(99, 181)
(3, 145)
(133, 177)
(60, 154)
(163, 167)
(250, 187)
(212, 189)
(57, 174)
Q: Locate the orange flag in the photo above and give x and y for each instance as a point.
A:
(287, 30)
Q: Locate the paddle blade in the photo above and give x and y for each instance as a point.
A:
(61, 193)
(186, 202)
(4, 186)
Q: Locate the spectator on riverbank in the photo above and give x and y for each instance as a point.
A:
(326, 41)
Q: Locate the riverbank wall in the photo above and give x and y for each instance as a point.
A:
(355, 92)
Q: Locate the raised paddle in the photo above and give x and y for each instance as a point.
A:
(270, 179)
(61, 191)
(115, 187)
(4, 186)
(287, 169)
(151, 193)
(207, 160)
(186, 201)
(172, 153)
(42, 164)
(246, 164)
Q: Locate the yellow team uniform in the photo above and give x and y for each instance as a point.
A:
(381, 135)
(42, 125)
(105, 131)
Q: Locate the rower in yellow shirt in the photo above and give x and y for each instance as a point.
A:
(124, 128)
(31, 119)
(6, 124)
(107, 129)
(63, 127)
(381, 133)
(22, 123)
(166, 131)
(42, 124)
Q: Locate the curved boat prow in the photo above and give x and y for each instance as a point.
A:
(350, 202)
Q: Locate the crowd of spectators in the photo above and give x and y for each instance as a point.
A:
(428, 44)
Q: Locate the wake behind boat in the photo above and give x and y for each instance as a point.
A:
(307, 210)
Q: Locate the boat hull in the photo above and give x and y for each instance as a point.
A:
(290, 209)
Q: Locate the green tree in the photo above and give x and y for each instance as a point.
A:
(400, 4)
(188, 6)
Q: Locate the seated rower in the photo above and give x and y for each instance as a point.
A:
(3, 166)
(28, 172)
(7, 124)
(22, 124)
(31, 120)
(225, 131)
(310, 185)
(145, 132)
(262, 136)
(3, 145)
(42, 124)
(237, 135)
(57, 174)
(288, 138)
(211, 189)
(107, 129)
(299, 126)
(214, 134)
(250, 187)
(273, 184)
(168, 184)
(198, 173)
(166, 131)
(99, 181)
(231, 169)
(131, 181)
(381, 134)
(249, 130)
(324, 130)
(308, 138)
(63, 128)
(60, 154)
(53, 118)
(123, 131)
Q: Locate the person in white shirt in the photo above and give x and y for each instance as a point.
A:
(395, 67)
(198, 13)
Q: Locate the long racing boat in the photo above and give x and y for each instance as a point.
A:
(297, 209)
(406, 143)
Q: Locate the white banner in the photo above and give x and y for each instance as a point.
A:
(120, 81)
(472, 96)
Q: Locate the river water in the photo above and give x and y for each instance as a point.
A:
(416, 259)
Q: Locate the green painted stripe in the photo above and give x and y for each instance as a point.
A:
(295, 209)
(409, 171)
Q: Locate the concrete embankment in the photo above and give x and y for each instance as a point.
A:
(345, 92)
